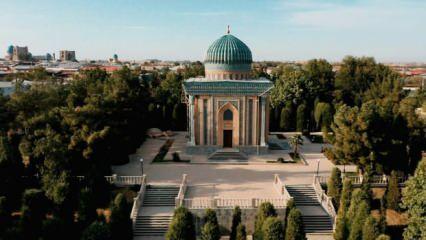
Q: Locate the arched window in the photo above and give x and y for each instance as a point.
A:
(227, 115)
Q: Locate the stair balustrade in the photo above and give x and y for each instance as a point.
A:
(138, 200)
(326, 201)
(281, 188)
(182, 190)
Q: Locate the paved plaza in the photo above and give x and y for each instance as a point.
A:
(226, 179)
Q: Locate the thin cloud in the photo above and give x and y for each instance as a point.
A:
(204, 14)
(136, 27)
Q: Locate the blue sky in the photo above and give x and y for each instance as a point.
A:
(389, 30)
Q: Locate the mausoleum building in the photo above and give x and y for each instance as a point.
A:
(228, 108)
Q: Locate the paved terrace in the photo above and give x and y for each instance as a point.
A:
(229, 180)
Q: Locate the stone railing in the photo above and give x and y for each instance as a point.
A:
(326, 201)
(120, 180)
(182, 190)
(375, 180)
(138, 200)
(280, 188)
(207, 202)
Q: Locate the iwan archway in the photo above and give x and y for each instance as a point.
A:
(228, 126)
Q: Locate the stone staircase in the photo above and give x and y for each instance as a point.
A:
(315, 218)
(160, 196)
(157, 198)
(152, 225)
(303, 195)
(228, 154)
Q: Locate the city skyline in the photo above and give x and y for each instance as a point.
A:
(390, 31)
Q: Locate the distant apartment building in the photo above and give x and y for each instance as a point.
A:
(66, 55)
(20, 53)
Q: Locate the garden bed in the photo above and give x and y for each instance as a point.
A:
(160, 157)
(163, 151)
(295, 157)
(316, 139)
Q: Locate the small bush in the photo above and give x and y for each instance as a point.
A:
(241, 232)
(280, 160)
(272, 229)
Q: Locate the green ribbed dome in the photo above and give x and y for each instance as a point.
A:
(228, 50)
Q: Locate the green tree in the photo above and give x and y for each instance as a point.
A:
(272, 229)
(285, 117)
(210, 229)
(120, 223)
(356, 227)
(34, 208)
(264, 211)
(393, 194)
(323, 115)
(182, 226)
(370, 231)
(98, 230)
(294, 229)
(341, 232)
(241, 232)
(414, 199)
(301, 118)
(236, 221)
(5, 218)
(334, 185)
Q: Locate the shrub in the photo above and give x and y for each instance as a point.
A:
(53, 229)
(280, 160)
(241, 232)
(236, 221)
(182, 226)
(210, 231)
(272, 229)
(300, 117)
(383, 237)
(97, 231)
(87, 207)
(294, 229)
(120, 223)
(393, 194)
(34, 207)
(370, 231)
(334, 185)
(265, 210)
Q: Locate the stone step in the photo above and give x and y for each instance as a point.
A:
(227, 155)
(152, 225)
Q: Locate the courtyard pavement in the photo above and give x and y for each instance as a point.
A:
(251, 179)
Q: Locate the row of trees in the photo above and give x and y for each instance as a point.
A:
(354, 220)
(268, 226)
(37, 220)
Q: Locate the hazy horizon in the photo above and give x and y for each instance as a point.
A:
(275, 30)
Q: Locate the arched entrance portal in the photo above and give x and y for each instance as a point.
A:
(228, 127)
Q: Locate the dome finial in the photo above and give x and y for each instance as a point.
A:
(229, 29)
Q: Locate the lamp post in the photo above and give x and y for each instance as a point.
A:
(318, 163)
(141, 163)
